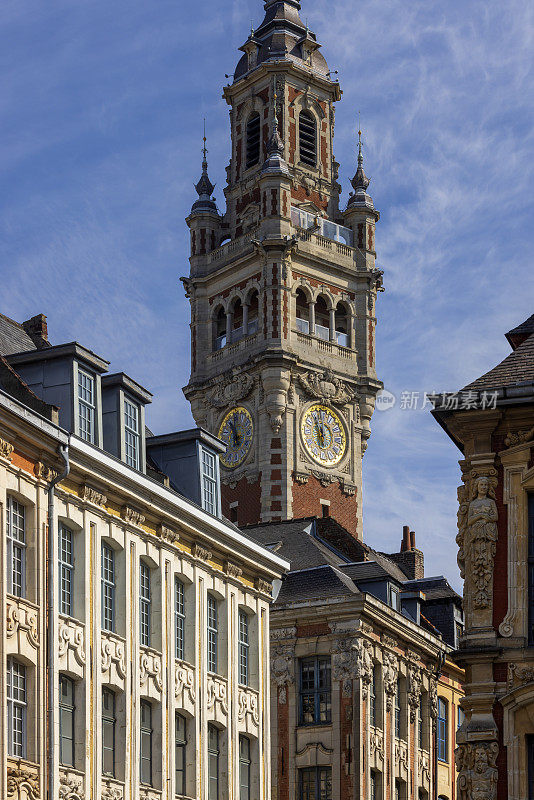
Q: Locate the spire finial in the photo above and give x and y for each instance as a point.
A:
(204, 150)
(204, 187)
(360, 156)
(251, 28)
(360, 182)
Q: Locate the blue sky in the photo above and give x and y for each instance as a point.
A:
(101, 109)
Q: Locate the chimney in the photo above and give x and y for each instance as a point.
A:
(37, 330)
(406, 539)
(410, 559)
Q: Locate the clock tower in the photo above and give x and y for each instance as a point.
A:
(282, 288)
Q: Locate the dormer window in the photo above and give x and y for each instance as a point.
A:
(86, 406)
(253, 140)
(208, 467)
(131, 433)
(307, 138)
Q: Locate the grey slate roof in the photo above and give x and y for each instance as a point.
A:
(13, 337)
(318, 583)
(369, 571)
(436, 588)
(526, 327)
(516, 368)
(295, 541)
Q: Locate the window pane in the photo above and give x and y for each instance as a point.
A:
(66, 563)
(16, 547)
(213, 763)
(243, 648)
(131, 434)
(244, 768)
(66, 721)
(179, 617)
(315, 695)
(144, 605)
(212, 634)
(108, 588)
(86, 406)
(146, 743)
(180, 754)
(108, 732)
(16, 708)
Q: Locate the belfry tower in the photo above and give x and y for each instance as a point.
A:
(282, 288)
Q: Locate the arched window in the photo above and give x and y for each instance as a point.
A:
(322, 319)
(253, 140)
(219, 332)
(342, 325)
(253, 313)
(237, 321)
(443, 745)
(303, 312)
(307, 138)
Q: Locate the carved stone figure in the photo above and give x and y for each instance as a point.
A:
(389, 675)
(480, 541)
(415, 682)
(282, 668)
(326, 386)
(477, 770)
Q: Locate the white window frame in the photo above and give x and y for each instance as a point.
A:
(87, 402)
(243, 636)
(213, 633)
(209, 481)
(108, 600)
(144, 604)
(179, 618)
(132, 434)
(16, 546)
(66, 571)
(17, 707)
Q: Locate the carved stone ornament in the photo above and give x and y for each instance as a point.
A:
(263, 586)
(351, 659)
(282, 672)
(424, 766)
(113, 652)
(376, 743)
(283, 633)
(71, 637)
(433, 698)
(132, 516)
(217, 694)
(70, 786)
(326, 386)
(232, 570)
(390, 674)
(388, 641)
(520, 437)
(201, 552)
(401, 753)
(477, 770)
(247, 703)
(22, 617)
(92, 495)
(229, 390)
(184, 680)
(20, 779)
(111, 791)
(171, 535)
(520, 675)
(150, 667)
(477, 536)
(6, 449)
(44, 472)
(348, 489)
(415, 683)
(301, 477)
(324, 478)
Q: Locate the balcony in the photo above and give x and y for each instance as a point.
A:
(327, 229)
(322, 332)
(324, 346)
(303, 325)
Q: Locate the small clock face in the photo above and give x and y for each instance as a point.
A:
(323, 435)
(236, 431)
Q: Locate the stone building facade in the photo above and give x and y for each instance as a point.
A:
(492, 422)
(135, 618)
(282, 288)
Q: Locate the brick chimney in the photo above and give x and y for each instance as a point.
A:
(37, 330)
(410, 559)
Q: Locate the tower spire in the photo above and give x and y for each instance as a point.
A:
(204, 187)
(275, 149)
(360, 181)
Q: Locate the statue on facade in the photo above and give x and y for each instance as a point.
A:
(481, 539)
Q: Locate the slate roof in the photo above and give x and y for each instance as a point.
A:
(297, 541)
(367, 571)
(13, 337)
(317, 583)
(436, 588)
(526, 327)
(517, 368)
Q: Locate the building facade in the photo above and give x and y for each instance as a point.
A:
(282, 288)
(135, 618)
(492, 423)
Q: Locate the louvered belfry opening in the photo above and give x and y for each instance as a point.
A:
(307, 138)
(253, 140)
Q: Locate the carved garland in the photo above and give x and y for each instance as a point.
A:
(19, 779)
(150, 667)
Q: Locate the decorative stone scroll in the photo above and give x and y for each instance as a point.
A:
(433, 698)
(247, 705)
(477, 536)
(389, 676)
(6, 449)
(424, 765)
(351, 658)
(150, 667)
(263, 586)
(217, 694)
(326, 386)
(415, 683)
(520, 437)
(22, 617)
(71, 637)
(184, 680)
(132, 516)
(232, 570)
(164, 532)
(148, 794)
(22, 783)
(113, 652)
(401, 753)
(201, 552)
(519, 675)
(477, 770)
(70, 786)
(92, 495)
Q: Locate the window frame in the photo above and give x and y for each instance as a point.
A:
(214, 755)
(179, 618)
(88, 405)
(66, 572)
(209, 481)
(315, 773)
(145, 735)
(212, 626)
(132, 434)
(180, 751)
(244, 645)
(244, 766)
(252, 161)
(68, 710)
(16, 544)
(145, 604)
(112, 722)
(308, 142)
(17, 708)
(318, 663)
(108, 588)
(442, 733)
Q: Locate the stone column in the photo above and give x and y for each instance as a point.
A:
(311, 308)
(228, 327)
(332, 313)
(245, 318)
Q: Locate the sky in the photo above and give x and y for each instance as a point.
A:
(101, 109)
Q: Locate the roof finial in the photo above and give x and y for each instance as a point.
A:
(360, 156)
(204, 187)
(204, 150)
(251, 28)
(360, 182)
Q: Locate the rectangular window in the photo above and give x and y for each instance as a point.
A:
(243, 648)
(66, 570)
(209, 482)
(66, 721)
(398, 709)
(315, 691)
(108, 588)
(16, 547)
(146, 743)
(144, 605)
(315, 783)
(131, 434)
(86, 406)
(16, 709)
(531, 569)
(443, 745)
(212, 634)
(374, 786)
(180, 743)
(179, 619)
(244, 768)
(213, 763)
(108, 732)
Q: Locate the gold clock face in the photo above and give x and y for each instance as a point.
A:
(236, 431)
(323, 435)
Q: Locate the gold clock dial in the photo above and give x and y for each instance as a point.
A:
(236, 431)
(323, 435)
